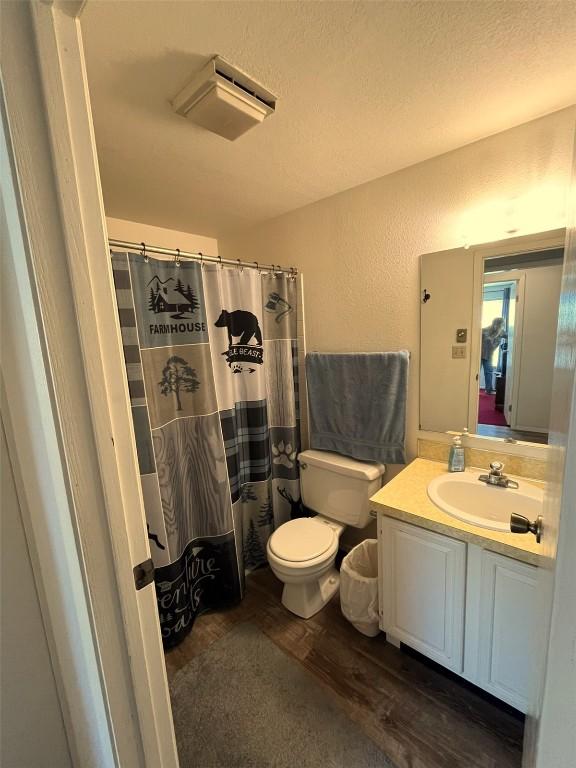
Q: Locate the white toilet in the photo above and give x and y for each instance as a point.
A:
(301, 552)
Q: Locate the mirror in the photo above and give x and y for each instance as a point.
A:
(488, 337)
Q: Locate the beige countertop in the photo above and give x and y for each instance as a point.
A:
(405, 497)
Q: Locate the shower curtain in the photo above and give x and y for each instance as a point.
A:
(212, 364)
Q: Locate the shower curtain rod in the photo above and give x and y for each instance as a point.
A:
(144, 248)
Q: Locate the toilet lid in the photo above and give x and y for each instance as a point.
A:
(301, 539)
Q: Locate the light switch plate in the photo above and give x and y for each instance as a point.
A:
(462, 335)
(458, 353)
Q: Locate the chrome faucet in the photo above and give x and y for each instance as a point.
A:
(497, 477)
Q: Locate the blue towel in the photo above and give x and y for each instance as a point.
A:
(357, 404)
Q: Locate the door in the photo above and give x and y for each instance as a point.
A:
(550, 738)
(507, 623)
(533, 392)
(65, 253)
(512, 343)
(423, 577)
(29, 691)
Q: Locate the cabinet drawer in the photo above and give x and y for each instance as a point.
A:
(423, 576)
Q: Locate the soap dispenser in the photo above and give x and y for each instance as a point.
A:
(456, 457)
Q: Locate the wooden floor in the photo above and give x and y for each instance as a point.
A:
(419, 716)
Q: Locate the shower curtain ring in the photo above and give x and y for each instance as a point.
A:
(143, 251)
(258, 267)
(240, 267)
(220, 261)
(201, 259)
(177, 257)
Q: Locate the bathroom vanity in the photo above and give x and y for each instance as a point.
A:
(462, 595)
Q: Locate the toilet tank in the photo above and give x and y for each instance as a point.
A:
(338, 487)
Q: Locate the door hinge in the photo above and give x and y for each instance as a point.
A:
(144, 574)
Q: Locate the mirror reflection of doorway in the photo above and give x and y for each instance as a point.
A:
(497, 357)
(519, 309)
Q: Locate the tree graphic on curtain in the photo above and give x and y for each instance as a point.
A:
(254, 554)
(188, 294)
(178, 376)
(266, 516)
(247, 493)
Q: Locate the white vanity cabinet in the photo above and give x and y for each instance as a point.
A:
(501, 624)
(422, 594)
(467, 608)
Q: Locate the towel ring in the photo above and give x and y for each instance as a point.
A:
(143, 252)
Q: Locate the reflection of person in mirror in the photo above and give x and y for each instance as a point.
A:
(492, 337)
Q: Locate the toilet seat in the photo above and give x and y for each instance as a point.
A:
(302, 540)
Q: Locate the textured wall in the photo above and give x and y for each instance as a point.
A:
(136, 232)
(359, 250)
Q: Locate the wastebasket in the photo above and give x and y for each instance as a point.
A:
(359, 587)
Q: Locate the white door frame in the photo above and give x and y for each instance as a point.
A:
(518, 277)
(550, 736)
(69, 272)
(44, 493)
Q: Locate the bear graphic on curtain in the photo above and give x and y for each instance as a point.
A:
(212, 366)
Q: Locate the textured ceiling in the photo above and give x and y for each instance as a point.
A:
(365, 88)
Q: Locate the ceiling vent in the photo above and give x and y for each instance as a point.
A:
(224, 100)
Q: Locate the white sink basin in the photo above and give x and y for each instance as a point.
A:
(463, 496)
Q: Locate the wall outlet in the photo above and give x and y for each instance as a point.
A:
(458, 353)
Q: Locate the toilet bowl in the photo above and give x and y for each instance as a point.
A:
(302, 552)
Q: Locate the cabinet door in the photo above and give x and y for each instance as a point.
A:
(422, 587)
(507, 628)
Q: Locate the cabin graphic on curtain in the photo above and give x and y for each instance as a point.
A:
(178, 298)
